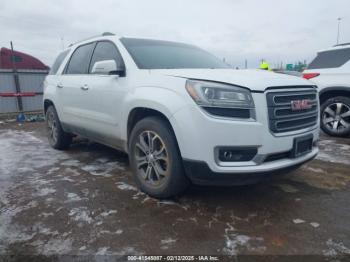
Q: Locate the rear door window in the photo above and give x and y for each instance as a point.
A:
(106, 51)
(80, 60)
(330, 59)
(56, 65)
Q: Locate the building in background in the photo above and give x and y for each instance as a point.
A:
(22, 60)
(21, 90)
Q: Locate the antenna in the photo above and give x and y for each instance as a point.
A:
(339, 20)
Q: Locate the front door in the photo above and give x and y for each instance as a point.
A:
(102, 96)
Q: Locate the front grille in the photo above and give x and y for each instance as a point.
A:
(282, 118)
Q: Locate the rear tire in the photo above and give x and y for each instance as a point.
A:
(58, 138)
(155, 159)
(335, 116)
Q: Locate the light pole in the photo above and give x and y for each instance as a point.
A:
(339, 19)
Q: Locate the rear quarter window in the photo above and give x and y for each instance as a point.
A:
(56, 65)
(330, 59)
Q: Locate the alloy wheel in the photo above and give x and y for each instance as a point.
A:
(336, 117)
(152, 161)
(52, 127)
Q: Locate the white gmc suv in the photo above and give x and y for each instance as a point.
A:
(330, 71)
(180, 113)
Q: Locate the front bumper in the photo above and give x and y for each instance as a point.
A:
(200, 173)
(199, 134)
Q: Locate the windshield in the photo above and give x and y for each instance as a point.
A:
(155, 54)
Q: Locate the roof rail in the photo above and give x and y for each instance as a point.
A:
(342, 44)
(103, 34)
(107, 34)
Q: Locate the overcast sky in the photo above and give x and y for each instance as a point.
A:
(276, 30)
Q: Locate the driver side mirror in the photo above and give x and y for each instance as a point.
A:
(107, 67)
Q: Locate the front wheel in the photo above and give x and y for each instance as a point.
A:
(155, 159)
(335, 116)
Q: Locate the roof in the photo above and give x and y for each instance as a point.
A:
(344, 44)
(336, 47)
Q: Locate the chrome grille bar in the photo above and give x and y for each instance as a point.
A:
(282, 117)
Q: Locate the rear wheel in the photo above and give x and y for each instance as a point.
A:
(335, 116)
(155, 159)
(57, 137)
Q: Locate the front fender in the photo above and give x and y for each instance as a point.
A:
(163, 100)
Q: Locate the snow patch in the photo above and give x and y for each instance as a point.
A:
(101, 167)
(55, 247)
(298, 221)
(314, 224)
(172, 203)
(125, 186)
(335, 248)
(72, 197)
(81, 214)
(287, 188)
(333, 152)
(102, 251)
(165, 243)
(107, 213)
(236, 241)
(71, 162)
(315, 170)
(45, 191)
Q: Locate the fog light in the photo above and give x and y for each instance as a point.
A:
(237, 154)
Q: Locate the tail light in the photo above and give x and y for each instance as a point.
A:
(310, 75)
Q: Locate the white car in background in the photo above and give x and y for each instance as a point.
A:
(330, 71)
(180, 113)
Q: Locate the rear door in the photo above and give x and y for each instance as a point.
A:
(72, 88)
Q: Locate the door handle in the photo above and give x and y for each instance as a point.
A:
(84, 87)
(59, 85)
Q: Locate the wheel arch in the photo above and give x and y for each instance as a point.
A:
(330, 92)
(47, 103)
(138, 113)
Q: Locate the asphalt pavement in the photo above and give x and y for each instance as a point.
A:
(84, 202)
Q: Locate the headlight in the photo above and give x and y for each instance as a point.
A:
(209, 94)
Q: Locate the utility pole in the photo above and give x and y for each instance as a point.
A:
(339, 20)
(246, 64)
(15, 76)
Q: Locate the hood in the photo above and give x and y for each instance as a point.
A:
(253, 79)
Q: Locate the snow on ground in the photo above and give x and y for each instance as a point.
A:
(236, 241)
(102, 167)
(331, 151)
(39, 169)
(22, 151)
(336, 248)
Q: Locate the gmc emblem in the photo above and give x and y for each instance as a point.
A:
(300, 104)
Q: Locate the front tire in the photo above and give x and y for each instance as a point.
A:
(57, 137)
(335, 116)
(155, 159)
